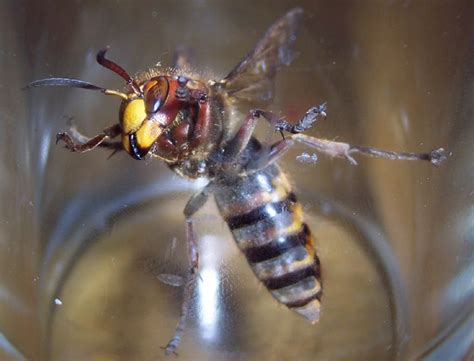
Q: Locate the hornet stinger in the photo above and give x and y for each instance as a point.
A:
(204, 128)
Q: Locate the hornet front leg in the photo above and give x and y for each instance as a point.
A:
(76, 142)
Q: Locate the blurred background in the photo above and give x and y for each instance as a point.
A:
(83, 237)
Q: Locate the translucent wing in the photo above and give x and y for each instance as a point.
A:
(252, 80)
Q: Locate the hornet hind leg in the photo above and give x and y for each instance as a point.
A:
(193, 205)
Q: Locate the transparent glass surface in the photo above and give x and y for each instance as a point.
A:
(83, 238)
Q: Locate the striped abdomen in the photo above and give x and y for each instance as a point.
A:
(267, 223)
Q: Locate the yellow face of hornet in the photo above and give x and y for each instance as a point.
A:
(134, 120)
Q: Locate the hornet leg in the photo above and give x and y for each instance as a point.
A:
(328, 147)
(76, 142)
(346, 150)
(269, 154)
(306, 122)
(193, 205)
(338, 149)
(237, 144)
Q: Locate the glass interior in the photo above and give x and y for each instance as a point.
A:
(83, 238)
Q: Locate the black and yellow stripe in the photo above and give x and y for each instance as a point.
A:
(267, 223)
